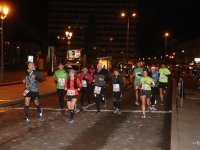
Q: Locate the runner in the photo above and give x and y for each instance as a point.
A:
(137, 76)
(72, 86)
(86, 80)
(117, 82)
(146, 83)
(31, 90)
(100, 79)
(59, 76)
(127, 74)
(92, 70)
(163, 81)
(154, 75)
(194, 72)
(198, 76)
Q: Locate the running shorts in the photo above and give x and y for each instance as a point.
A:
(33, 95)
(163, 85)
(69, 98)
(146, 93)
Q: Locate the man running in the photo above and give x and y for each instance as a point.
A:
(194, 72)
(59, 76)
(117, 82)
(137, 75)
(86, 80)
(154, 75)
(31, 90)
(100, 79)
(127, 74)
(163, 81)
(92, 70)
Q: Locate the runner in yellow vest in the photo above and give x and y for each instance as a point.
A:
(163, 82)
(59, 76)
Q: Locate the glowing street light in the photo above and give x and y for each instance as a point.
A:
(166, 35)
(127, 44)
(3, 15)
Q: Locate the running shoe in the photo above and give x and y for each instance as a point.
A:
(149, 109)
(71, 121)
(81, 109)
(143, 116)
(153, 108)
(119, 112)
(89, 107)
(115, 110)
(98, 112)
(136, 103)
(63, 112)
(40, 113)
(104, 104)
(162, 103)
(26, 120)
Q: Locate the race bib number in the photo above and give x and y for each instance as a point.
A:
(71, 92)
(162, 76)
(84, 83)
(137, 76)
(25, 92)
(145, 86)
(61, 81)
(97, 90)
(116, 88)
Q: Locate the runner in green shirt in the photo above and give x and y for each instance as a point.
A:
(59, 76)
(137, 75)
(145, 93)
(163, 82)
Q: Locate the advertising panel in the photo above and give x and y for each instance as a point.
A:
(74, 54)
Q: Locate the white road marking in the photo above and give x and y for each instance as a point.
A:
(125, 111)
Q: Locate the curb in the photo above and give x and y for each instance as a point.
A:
(192, 98)
(19, 101)
(175, 144)
(12, 83)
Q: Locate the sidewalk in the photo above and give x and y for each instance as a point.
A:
(185, 120)
(16, 77)
(13, 94)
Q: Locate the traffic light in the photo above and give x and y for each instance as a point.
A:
(171, 57)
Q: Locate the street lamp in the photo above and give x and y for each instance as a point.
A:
(18, 55)
(166, 35)
(127, 44)
(3, 15)
(68, 35)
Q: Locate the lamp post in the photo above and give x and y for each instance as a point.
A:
(3, 15)
(127, 38)
(68, 35)
(166, 35)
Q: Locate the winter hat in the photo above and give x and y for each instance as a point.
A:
(71, 71)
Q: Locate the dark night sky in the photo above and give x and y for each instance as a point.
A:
(180, 19)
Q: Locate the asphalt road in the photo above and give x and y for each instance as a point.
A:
(105, 131)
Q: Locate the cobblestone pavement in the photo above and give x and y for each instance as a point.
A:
(105, 131)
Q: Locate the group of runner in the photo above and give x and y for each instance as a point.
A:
(69, 84)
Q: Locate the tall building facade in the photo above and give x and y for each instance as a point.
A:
(98, 28)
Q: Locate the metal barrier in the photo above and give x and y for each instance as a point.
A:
(181, 92)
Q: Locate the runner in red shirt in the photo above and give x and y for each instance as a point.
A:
(86, 80)
(72, 86)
